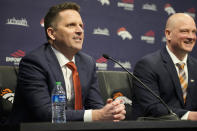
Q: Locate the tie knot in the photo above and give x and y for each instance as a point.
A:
(72, 66)
(180, 65)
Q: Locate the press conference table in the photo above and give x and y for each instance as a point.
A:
(104, 126)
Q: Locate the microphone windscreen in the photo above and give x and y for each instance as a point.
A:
(105, 56)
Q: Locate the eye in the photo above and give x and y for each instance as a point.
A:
(194, 31)
(183, 31)
(82, 26)
(70, 25)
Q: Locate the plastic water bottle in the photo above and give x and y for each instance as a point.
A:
(58, 104)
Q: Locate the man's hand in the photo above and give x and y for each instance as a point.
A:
(192, 116)
(112, 111)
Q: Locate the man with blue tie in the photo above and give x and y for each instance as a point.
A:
(170, 72)
(55, 61)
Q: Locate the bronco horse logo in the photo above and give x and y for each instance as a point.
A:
(7, 94)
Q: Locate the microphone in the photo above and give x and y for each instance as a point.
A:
(170, 116)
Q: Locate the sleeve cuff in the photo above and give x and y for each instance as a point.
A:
(88, 116)
(185, 116)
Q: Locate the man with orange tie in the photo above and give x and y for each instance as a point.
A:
(170, 72)
(61, 60)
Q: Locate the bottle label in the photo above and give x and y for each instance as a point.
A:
(58, 98)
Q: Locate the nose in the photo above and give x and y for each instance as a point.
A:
(192, 35)
(79, 30)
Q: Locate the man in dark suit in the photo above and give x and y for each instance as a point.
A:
(41, 68)
(159, 71)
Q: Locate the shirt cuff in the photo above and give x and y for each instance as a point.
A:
(185, 116)
(88, 116)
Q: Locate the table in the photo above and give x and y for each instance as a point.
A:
(104, 126)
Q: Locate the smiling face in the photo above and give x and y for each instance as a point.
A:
(68, 33)
(181, 34)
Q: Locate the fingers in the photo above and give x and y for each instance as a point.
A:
(118, 111)
(113, 110)
(119, 117)
(116, 120)
(109, 100)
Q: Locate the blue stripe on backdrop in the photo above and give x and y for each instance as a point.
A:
(124, 29)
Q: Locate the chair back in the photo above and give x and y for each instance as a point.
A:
(8, 83)
(116, 83)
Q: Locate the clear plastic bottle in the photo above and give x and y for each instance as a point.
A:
(58, 104)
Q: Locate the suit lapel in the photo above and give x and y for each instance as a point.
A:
(191, 79)
(81, 68)
(54, 65)
(168, 63)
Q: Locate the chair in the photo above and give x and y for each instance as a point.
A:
(111, 82)
(8, 82)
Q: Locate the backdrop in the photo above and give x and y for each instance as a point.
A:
(124, 29)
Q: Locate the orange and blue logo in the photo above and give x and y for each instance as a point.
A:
(7, 94)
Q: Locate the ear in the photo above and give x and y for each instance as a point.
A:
(51, 32)
(168, 34)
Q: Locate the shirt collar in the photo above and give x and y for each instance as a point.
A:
(174, 58)
(63, 60)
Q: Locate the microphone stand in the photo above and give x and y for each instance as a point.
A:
(170, 116)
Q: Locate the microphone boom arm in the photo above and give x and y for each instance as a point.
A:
(145, 86)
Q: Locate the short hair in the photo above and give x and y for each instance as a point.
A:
(53, 12)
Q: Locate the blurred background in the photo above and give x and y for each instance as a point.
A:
(124, 29)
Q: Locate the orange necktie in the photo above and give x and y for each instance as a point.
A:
(76, 85)
(182, 78)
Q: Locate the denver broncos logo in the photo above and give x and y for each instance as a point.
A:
(103, 2)
(118, 94)
(7, 94)
(123, 99)
(168, 8)
(101, 60)
(124, 33)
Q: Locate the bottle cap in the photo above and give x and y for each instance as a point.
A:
(58, 83)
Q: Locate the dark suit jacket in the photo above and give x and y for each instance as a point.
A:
(38, 72)
(158, 72)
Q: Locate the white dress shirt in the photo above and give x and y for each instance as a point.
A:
(175, 61)
(67, 73)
